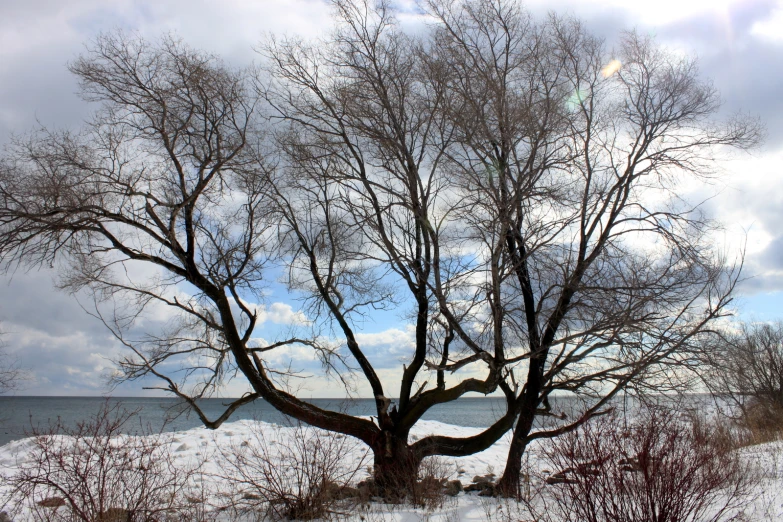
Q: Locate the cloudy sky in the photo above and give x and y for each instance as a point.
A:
(67, 352)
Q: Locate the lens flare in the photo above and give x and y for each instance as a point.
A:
(575, 100)
(611, 68)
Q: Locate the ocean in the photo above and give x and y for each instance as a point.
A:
(20, 415)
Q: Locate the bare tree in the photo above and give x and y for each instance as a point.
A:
(163, 198)
(372, 221)
(166, 177)
(489, 178)
(571, 155)
(745, 368)
(520, 181)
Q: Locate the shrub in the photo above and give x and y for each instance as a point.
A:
(660, 467)
(433, 475)
(96, 473)
(293, 472)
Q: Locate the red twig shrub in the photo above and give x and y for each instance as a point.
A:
(657, 468)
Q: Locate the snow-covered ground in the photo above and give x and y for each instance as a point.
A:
(211, 451)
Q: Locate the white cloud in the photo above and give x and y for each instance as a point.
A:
(276, 313)
(282, 313)
(772, 28)
(750, 205)
(664, 12)
(394, 339)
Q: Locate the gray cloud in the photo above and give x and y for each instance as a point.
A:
(743, 65)
(773, 254)
(32, 302)
(764, 271)
(46, 331)
(67, 349)
(39, 37)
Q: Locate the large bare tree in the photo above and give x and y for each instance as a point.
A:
(520, 180)
(497, 179)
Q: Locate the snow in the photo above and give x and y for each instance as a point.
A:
(209, 449)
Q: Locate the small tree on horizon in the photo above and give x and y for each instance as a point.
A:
(496, 179)
(744, 367)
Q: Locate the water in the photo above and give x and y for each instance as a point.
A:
(19, 415)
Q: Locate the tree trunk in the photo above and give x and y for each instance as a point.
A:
(396, 466)
(510, 483)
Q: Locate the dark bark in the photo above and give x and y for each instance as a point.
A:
(395, 466)
(510, 482)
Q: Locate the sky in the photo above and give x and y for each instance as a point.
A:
(67, 352)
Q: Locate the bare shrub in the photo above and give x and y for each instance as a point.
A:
(661, 466)
(433, 474)
(292, 472)
(95, 472)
